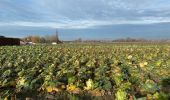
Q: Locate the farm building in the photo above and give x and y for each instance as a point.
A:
(9, 41)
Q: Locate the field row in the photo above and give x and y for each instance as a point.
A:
(120, 72)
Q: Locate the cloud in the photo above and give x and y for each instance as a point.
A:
(82, 13)
(81, 24)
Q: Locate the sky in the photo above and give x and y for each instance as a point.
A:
(86, 19)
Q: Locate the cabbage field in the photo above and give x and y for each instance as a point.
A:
(85, 72)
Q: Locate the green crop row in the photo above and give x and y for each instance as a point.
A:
(120, 72)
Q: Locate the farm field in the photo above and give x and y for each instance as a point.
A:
(84, 71)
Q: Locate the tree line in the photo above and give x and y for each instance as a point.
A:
(55, 38)
(43, 39)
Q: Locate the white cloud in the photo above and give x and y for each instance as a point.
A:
(87, 23)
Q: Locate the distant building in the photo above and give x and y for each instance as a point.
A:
(9, 41)
(54, 43)
(2, 37)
